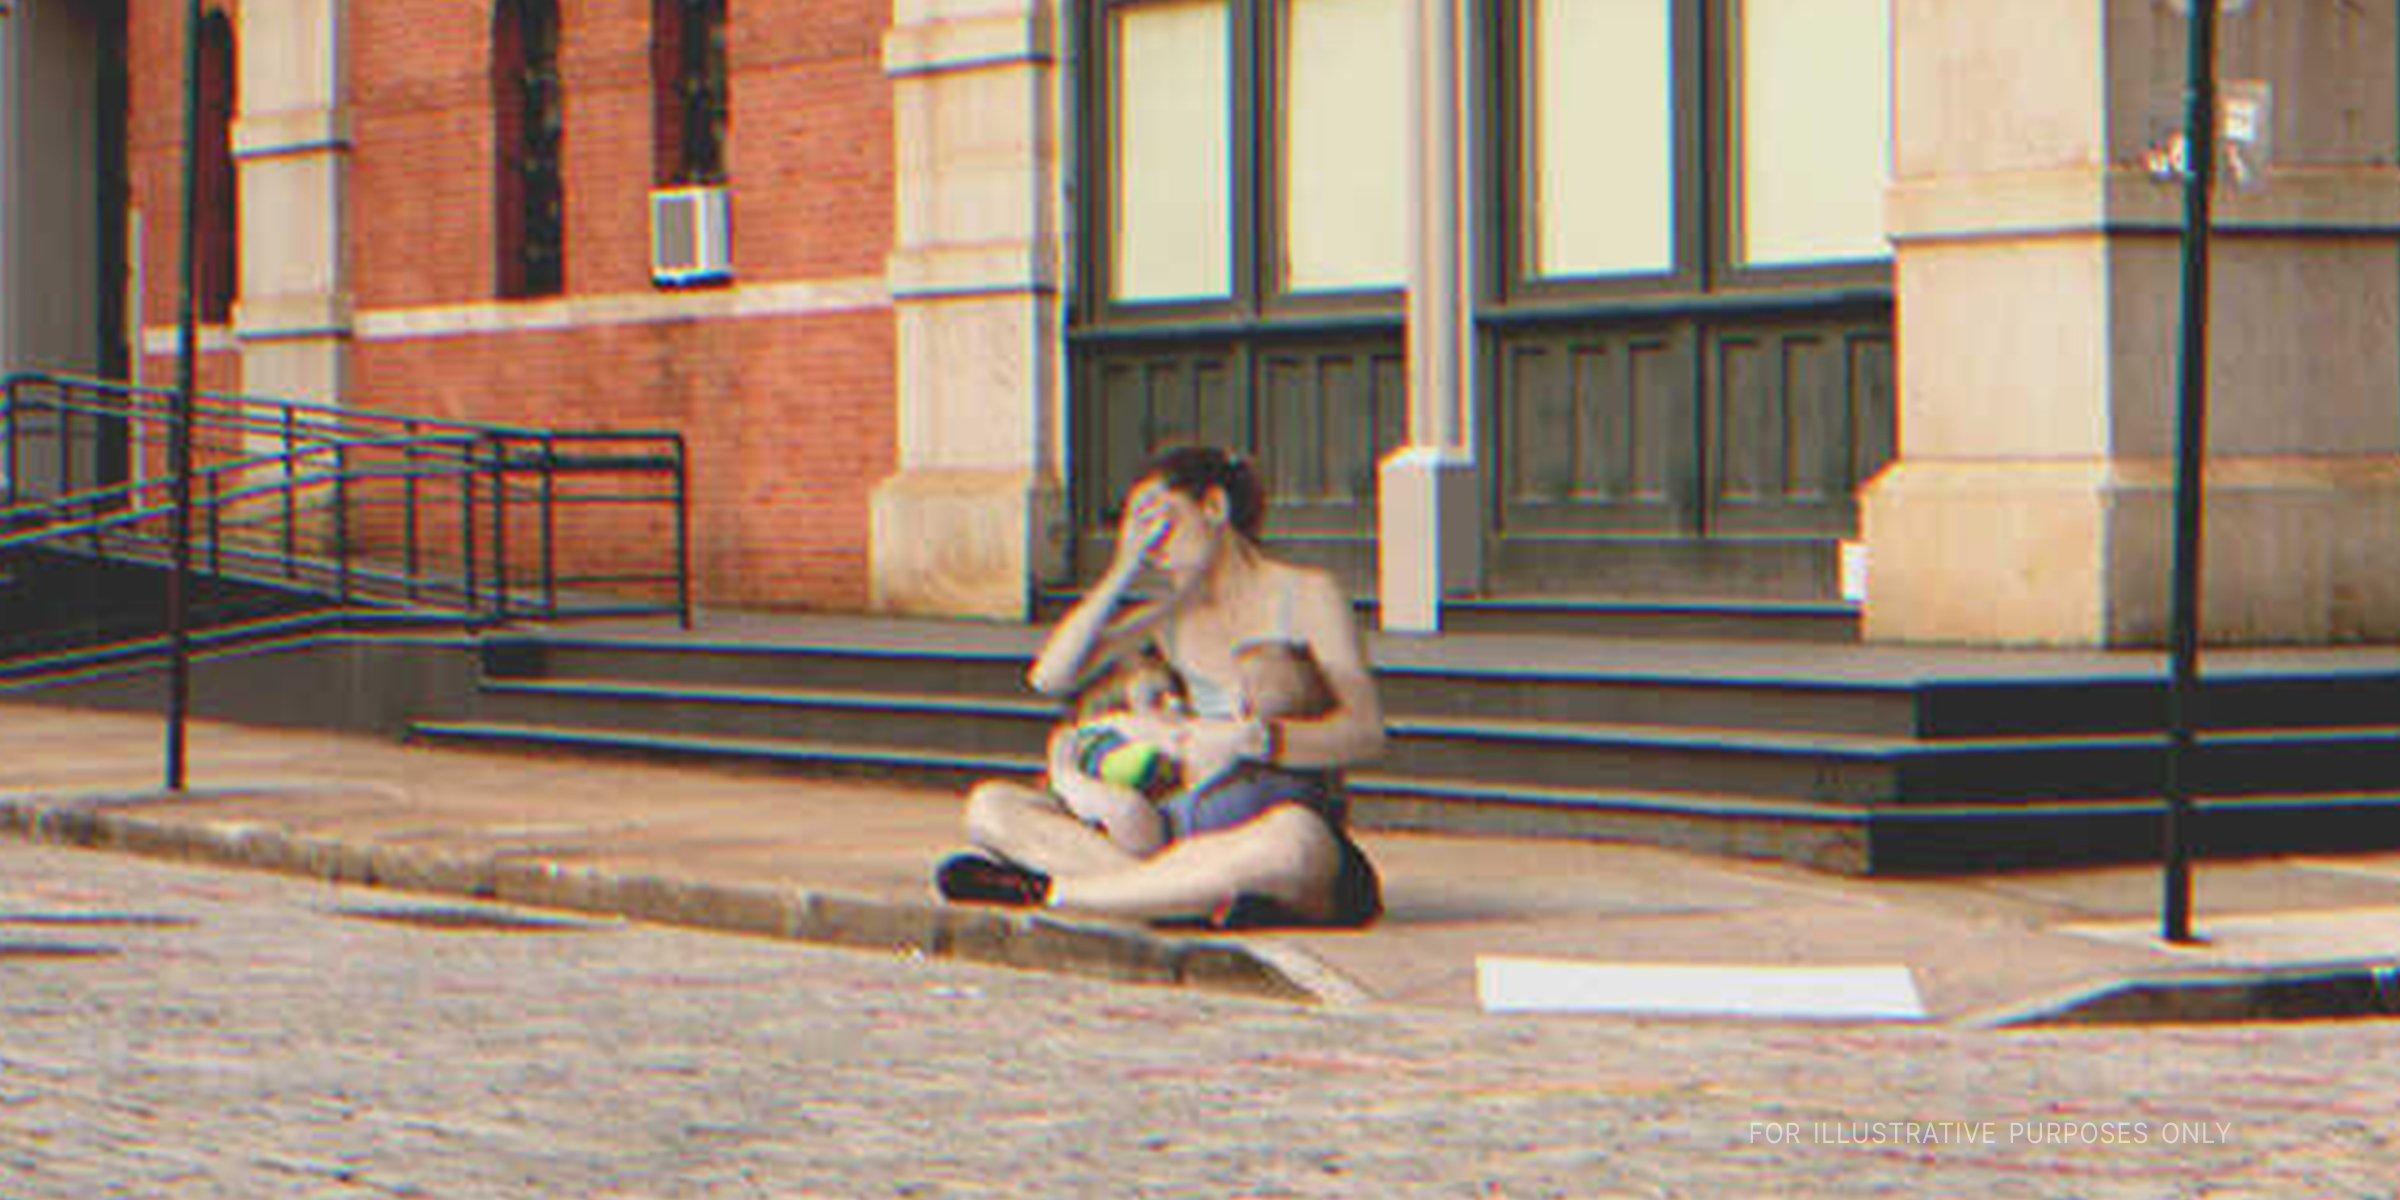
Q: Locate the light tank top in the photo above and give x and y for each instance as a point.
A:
(1217, 698)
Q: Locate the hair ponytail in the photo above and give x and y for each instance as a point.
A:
(1197, 470)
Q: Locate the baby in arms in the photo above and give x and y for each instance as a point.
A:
(1115, 766)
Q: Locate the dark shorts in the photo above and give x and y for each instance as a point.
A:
(1357, 889)
(1357, 898)
(1243, 798)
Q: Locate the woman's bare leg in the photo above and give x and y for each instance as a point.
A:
(1287, 854)
(1030, 828)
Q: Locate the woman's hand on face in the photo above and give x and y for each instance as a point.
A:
(1147, 521)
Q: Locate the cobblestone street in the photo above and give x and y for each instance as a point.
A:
(172, 1031)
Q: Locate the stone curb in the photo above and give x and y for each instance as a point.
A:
(1026, 941)
(2329, 991)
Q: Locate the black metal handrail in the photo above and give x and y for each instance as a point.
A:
(491, 520)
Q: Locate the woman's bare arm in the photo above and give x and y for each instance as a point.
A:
(1348, 734)
(1125, 815)
(1093, 633)
(1352, 732)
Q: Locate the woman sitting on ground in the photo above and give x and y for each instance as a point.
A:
(1195, 515)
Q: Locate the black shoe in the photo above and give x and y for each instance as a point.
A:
(1357, 888)
(974, 879)
(1357, 900)
(1249, 910)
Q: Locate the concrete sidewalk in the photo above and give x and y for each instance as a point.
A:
(1608, 927)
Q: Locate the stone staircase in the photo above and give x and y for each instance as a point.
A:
(1850, 758)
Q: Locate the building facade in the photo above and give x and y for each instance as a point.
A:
(1513, 296)
(445, 209)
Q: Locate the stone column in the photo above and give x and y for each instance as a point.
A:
(50, 231)
(1430, 539)
(2038, 278)
(49, 189)
(974, 519)
(291, 147)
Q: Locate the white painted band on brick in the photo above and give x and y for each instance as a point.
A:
(162, 340)
(814, 298)
(970, 44)
(290, 134)
(949, 272)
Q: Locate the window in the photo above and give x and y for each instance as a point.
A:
(1599, 153)
(1172, 99)
(1254, 153)
(217, 249)
(1814, 89)
(1689, 146)
(527, 124)
(1344, 163)
(689, 91)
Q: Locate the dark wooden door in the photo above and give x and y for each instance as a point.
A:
(1804, 415)
(1705, 453)
(1317, 413)
(1598, 432)
(1663, 455)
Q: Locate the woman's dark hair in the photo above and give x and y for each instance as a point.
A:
(1194, 470)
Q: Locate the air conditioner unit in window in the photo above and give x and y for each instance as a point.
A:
(689, 242)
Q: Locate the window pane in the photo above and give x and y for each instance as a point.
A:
(1345, 144)
(1816, 133)
(1602, 141)
(1173, 196)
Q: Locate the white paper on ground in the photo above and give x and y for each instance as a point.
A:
(1557, 985)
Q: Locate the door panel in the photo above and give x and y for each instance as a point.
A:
(1597, 433)
(1710, 453)
(1143, 401)
(1800, 418)
(1690, 454)
(1327, 415)
(1316, 414)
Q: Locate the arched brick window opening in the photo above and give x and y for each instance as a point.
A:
(690, 92)
(216, 251)
(527, 123)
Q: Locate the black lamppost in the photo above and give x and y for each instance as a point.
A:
(2191, 452)
(179, 450)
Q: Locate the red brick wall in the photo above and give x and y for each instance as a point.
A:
(787, 421)
(809, 146)
(790, 419)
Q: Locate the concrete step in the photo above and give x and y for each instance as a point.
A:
(931, 722)
(918, 765)
(1860, 770)
(1762, 763)
(1865, 758)
(1662, 758)
(699, 662)
(1838, 690)
(1627, 617)
(221, 648)
(1914, 839)
(1886, 838)
(1547, 692)
(1766, 766)
(1510, 682)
